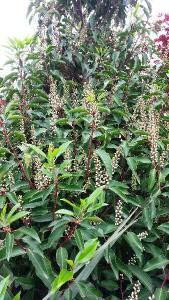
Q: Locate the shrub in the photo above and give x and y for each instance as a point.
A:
(84, 163)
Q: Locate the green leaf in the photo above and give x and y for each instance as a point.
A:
(30, 232)
(142, 276)
(13, 210)
(17, 216)
(85, 273)
(133, 166)
(163, 174)
(70, 203)
(142, 160)
(42, 267)
(17, 296)
(56, 235)
(123, 268)
(3, 213)
(59, 151)
(25, 282)
(61, 257)
(92, 198)
(88, 291)
(63, 277)
(164, 227)
(27, 159)
(94, 219)
(37, 150)
(156, 263)
(148, 221)
(105, 157)
(68, 295)
(3, 287)
(88, 252)
(118, 191)
(3, 151)
(13, 198)
(161, 294)
(152, 179)
(135, 244)
(65, 212)
(4, 169)
(9, 242)
(70, 263)
(79, 239)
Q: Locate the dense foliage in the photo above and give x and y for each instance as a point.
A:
(84, 159)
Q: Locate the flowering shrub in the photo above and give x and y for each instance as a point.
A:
(83, 162)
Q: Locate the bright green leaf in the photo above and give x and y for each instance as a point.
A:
(63, 277)
(88, 252)
(3, 287)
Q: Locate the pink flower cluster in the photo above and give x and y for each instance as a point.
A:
(162, 42)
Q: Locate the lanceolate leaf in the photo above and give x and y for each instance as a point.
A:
(30, 232)
(3, 287)
(59, 151)
(79, 239)
(148, 220)
(142, 277)
(42, 267)
(156, 263)
(17, 216)
(61, 257)
(37, 150)
(85, 273)
(161, 294)
(151, 179)
(164, 227)
(65, 212)
(133, 166)
(135, 243)
(105, 157)
(61, 279)
(92, 198)
(87, 253)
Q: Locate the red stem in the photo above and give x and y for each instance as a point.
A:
(166, 278)
(121, 288)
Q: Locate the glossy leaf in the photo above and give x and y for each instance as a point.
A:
(3, 287)
(63, 277)
(61, 257)
(156, 263)
(87, 252)
(142, 277)
(105, 157)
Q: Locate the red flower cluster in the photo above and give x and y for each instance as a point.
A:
(162, 42)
